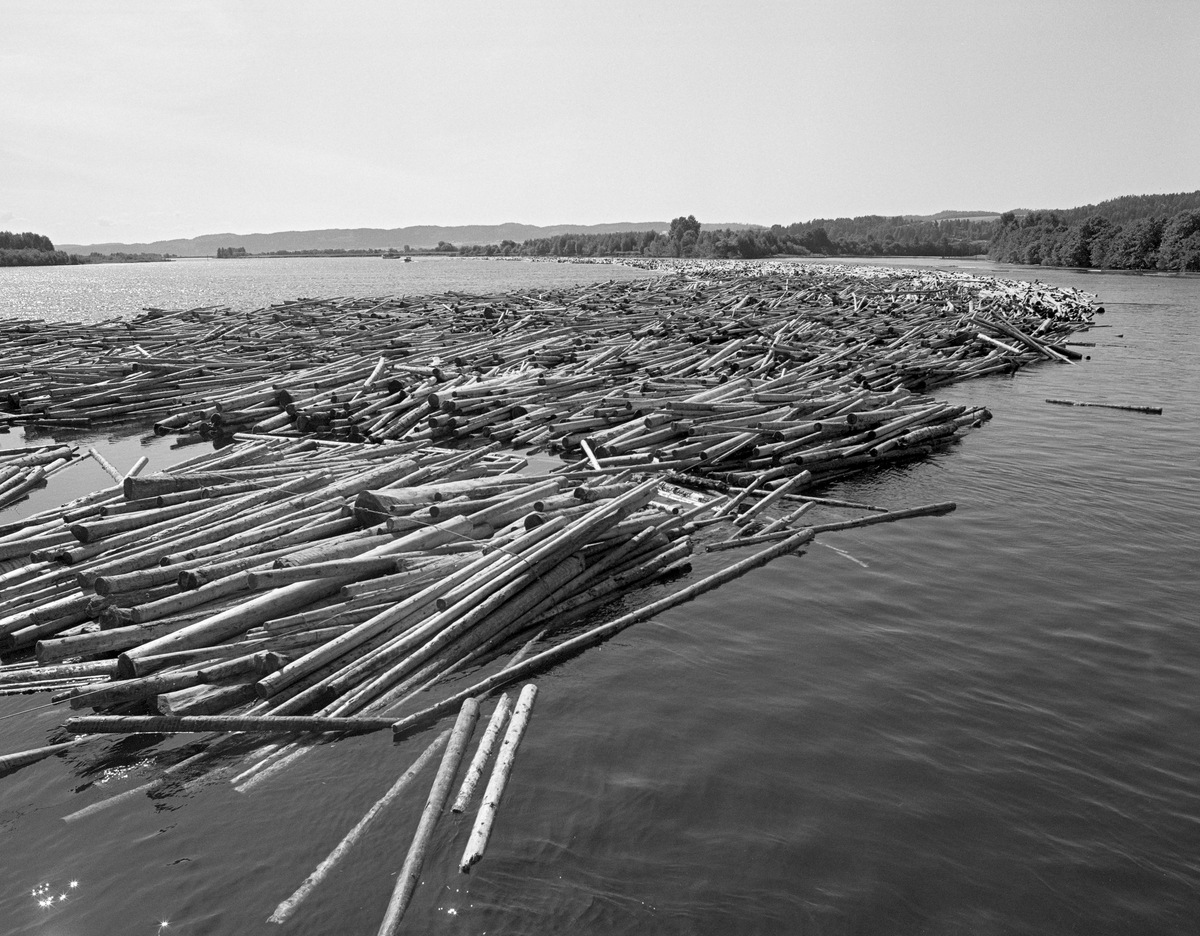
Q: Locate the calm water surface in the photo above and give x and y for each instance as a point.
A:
(100, 291)
(984, 723)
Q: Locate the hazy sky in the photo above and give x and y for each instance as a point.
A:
(140, 121)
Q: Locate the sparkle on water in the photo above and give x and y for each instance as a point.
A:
(43, 894)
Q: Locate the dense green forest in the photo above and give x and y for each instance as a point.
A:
(1153, 242)
(29, 249)
(26, 241)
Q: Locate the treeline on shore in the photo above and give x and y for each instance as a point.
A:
(1047, 238)
(231, 253)
(1111, 236)
(1133, 232)
(29, 249)
(25, 256)
(868, 236)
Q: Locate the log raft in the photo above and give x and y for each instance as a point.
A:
(368, 525)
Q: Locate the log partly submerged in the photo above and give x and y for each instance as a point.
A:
(439, 793)
(1150, 410)
(288, 907)
(482, 830)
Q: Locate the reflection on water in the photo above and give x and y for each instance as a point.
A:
(45, 894)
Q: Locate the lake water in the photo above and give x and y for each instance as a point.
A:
(982, 723)
(95, 292)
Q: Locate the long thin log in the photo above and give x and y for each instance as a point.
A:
(286, 908)
(1151, 410)
(64, 671)
(163, 724)
(138, 790)
(483, 752)
(482, 830)
(410, 872)
(108, 467)
(928, 510)
(33, 755)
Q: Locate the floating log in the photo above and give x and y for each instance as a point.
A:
(1150, 410)
(271, 724)
(204, 699)
(483, 752)
(288, 906)
(482, 830)
(410, 872)
(929, 510)
(167, 774)
(9, 762)
(66, 671)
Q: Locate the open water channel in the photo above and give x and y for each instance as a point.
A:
(982, 723)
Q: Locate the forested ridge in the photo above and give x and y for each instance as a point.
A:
(1133, 208)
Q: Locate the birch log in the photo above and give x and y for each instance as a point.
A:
(482, 829)
(410, 873)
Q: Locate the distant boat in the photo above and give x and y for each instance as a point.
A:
(408, 259)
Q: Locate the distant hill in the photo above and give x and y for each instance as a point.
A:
(417, 236)
(956, 216)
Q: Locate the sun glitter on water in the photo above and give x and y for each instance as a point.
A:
(47, 895)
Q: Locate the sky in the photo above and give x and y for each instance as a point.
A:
(137, 121)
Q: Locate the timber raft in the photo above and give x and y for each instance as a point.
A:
(368, 546)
